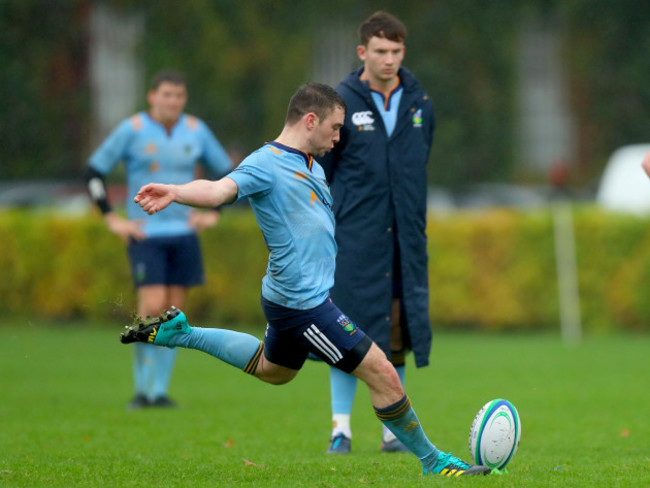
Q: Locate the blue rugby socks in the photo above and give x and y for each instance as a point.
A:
(401, 420)
(386, 434)
(343, 387)
(238, 349)
(142, 367)
(162, 365)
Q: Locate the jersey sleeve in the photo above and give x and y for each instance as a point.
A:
(253, 177)
(112, 150)
(214, 156)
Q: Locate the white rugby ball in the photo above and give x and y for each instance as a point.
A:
(495, 433)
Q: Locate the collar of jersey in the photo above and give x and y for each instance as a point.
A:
(309, 159)
(388, 97)
(167, 129)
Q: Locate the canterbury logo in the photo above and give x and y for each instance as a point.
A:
(152, 335)
(411, 426)
(362, 118)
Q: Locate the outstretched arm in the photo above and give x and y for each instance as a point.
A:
(198, 193)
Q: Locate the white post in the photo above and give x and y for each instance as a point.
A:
(116, 72)
(567, 272)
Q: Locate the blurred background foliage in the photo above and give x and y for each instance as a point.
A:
(491, 270)
(244, 60)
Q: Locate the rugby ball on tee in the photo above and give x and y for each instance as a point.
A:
(495, 433)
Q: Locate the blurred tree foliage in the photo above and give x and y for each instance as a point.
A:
(607, 51)
(244, 60)
(44, 88)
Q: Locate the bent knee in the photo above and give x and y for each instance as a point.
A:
(274, 380)
(376, 368)
(274, 374)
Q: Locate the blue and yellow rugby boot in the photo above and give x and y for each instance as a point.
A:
(157, 330)
(448, 465)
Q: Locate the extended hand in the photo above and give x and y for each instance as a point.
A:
(154, 197)
(203, 220)
(124, 228)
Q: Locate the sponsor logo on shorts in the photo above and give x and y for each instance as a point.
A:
(140, 272)
(347, 324)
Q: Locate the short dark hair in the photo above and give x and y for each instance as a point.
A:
(382, 24)
(167, 76)
(318, 98)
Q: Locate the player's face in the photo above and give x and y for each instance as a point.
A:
(382, 59)
(327, 132)
(167, 102)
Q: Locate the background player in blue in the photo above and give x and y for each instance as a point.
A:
(377, 176)
(162, 144)
(288, 193)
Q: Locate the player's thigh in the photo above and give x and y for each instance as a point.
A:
(323, 330)
(283, 348)
(176, 296)
(152, 299)
(396, 342)
(148, 260)
(378, 372)
(274, 374)
(334, 338)
(184, 261)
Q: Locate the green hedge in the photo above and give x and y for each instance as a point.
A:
(493, 270)
(497, 270)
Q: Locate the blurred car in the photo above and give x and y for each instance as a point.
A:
(440, 200)
(69, 197)
(480, 195)
(488, 195)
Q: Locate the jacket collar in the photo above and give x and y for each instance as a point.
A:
(409, 82)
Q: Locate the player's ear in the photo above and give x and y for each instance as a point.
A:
(311, 120)
(361, 52)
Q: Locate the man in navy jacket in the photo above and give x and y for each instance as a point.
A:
(377, 176)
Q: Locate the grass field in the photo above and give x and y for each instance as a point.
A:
(63, 421)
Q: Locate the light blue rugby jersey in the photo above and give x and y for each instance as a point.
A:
(293, 207)
(151, 155)
(388, 106)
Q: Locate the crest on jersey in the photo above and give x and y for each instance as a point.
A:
(417, 118)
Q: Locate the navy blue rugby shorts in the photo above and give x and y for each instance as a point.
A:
(324, 331)
(174, 260)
